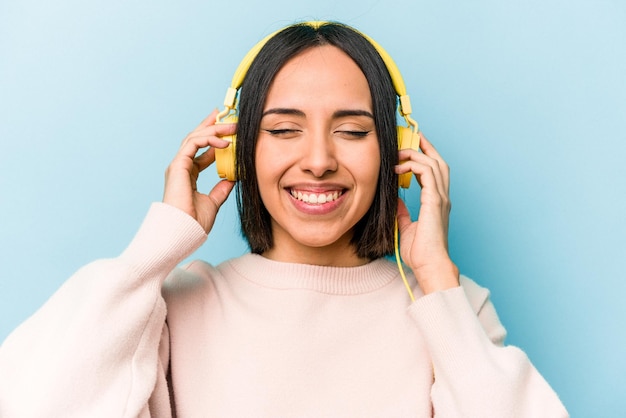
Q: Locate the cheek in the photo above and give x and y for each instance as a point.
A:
(264, 160)
(366, 164)
(269, 168)
(264, 179)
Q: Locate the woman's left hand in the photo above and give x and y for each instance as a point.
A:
(424, 243)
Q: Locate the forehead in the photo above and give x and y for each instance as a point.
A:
(323, 76)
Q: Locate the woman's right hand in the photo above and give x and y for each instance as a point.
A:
(182, 174)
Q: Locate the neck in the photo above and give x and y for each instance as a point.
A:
(335, 255)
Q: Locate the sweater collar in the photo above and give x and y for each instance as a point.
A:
(323, 279)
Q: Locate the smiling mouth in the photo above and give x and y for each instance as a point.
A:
(316, 198)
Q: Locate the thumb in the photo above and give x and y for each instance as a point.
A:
(404, 217)
(220, 192)
(207, 212)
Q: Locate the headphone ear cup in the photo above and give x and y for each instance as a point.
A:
(225, 157)
(407, 139)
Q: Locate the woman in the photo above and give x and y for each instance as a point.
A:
(314, 321)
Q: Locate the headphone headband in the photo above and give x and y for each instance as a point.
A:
(398, 83)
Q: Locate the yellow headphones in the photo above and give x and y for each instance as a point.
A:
(408, 136)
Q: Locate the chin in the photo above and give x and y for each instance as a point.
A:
(324, 242)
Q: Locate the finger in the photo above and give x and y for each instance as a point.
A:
(222, 131)
(206, 123)
(429, 149)
(220, 192)
(205, 159)
(432, 194)
(404, 217)
(211, 136)
(424, 167)
(212, 202)
(210, 119)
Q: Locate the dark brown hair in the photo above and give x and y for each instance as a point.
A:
(373, 234)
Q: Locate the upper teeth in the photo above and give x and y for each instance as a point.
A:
(308, 197)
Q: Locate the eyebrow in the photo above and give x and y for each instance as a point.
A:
(336, 115)
(283, 111)
(352, 112)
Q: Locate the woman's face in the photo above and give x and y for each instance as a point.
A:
(317, 157)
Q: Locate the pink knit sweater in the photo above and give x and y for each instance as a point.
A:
(135, 336)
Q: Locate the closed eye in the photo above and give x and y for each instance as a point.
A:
(284, 133)
(353, 134)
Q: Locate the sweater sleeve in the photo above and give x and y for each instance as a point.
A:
(93, 349)
(475, 375)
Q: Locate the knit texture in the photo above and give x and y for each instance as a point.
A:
(136, 336)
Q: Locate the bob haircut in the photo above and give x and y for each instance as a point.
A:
(373, 234)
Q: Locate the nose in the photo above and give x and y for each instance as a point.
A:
(319, 155)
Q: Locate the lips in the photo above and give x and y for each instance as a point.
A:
(318, 198)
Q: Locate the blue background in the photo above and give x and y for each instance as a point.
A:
(525, 99)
